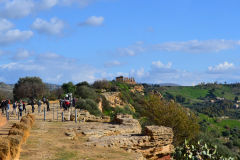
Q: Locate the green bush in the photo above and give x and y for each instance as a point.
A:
(86, 92)
(89, 105)
(160, 112)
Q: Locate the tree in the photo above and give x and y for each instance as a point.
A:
(84, 83)
(29, 87)
(103, 84)
(161, 112)
(86, 93)
(68, 87)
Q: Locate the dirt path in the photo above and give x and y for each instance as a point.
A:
(48, 141)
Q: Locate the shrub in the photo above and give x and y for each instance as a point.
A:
(86, 93)
(89, 105)
(103, 84)
(226, 133)
(183, 122)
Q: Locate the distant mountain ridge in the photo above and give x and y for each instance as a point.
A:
(9, 87)
(5, 87)
(169, 84)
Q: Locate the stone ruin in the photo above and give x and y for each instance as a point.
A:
(85, 116)
(126, 80)
(153, 142)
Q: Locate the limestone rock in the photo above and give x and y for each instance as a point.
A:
(71, 134)
(155, 141)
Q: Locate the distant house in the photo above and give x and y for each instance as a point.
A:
(130, 80)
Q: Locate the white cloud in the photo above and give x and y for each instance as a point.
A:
(93, 21)
(22, 8)
(131, 50)
(22, 54)
(114, 63)
(9, 35)
(54, 27)
(51, 67)
(17, 8)
(46, 4)
(196, 46)
(80, 3)
(192, 46)
(12, 36)
(5, 25)
(159, 64)
(223, 67)
(140, 73)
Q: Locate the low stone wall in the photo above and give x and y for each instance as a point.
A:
(10, 145)
(85, 116)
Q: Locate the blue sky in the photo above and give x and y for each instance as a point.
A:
(175, 41)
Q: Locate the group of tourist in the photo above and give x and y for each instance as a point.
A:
(67, 103)
(20, 106)
(5, 106)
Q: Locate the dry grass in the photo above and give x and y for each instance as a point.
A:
(15, 145)
(10, 146)
(4, 149)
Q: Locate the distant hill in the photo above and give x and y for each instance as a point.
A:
(5, 87)
(169, 84)
(52, 86)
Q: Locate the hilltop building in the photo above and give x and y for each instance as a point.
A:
(127, 80)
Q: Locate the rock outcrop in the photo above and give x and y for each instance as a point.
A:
(114, 99)
(153, 142)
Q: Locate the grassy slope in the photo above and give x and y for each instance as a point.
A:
(194, 93)
(220, 124)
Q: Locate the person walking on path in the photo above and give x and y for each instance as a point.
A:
(8, 105)
(32, 104)
(39, 106)
(20, 108)
(73, 102)
(47, 102)
(3, 106)
(14, 108)
(24, 107)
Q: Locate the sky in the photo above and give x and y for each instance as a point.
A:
(155, 41)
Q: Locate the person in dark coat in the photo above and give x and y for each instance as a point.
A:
(3, 106)
(73, 102)
(32, 104)
(24, 107)
(47, 102)
(20, 108)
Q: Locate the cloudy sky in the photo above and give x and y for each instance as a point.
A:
(156, 41)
